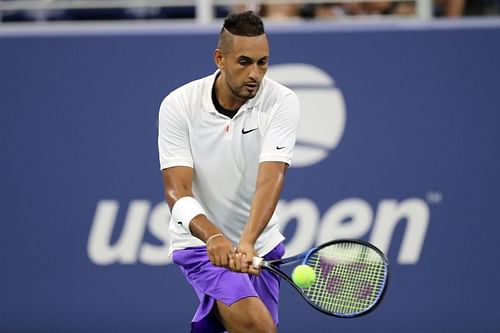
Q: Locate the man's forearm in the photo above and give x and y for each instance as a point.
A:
(269, 185)
(202, 228)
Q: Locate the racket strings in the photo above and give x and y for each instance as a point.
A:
(349, 278)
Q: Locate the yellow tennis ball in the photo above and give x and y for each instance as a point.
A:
(303, 276)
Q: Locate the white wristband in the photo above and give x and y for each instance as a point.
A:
(185, 210)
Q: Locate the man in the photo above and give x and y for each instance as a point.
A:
(225, 142)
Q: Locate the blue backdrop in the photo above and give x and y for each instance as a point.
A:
(409, 163)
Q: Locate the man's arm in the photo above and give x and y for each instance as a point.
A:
(177, 183)
(270, 180)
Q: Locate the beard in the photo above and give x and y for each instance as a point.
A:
(243, 91)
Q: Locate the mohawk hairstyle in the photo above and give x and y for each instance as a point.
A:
(243, 24)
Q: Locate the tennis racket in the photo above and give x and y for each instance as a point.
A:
(351, 276)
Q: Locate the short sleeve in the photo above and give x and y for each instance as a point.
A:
(173, 135)
(280, 137)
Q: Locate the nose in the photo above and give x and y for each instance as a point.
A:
(255, 72)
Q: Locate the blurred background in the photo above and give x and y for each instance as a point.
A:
(207, 10)
(397, 145)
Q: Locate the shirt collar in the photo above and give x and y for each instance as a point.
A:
(207, 95)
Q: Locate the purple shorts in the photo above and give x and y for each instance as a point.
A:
(216, 283)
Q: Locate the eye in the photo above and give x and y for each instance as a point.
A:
(262, 62)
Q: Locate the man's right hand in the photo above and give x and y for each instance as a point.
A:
(220, 250)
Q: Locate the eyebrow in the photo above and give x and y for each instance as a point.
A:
(243, 57)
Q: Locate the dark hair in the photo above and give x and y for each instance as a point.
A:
(244, 24)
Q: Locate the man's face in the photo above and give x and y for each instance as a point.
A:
(245, 65)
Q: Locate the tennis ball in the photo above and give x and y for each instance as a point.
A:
(303, 276)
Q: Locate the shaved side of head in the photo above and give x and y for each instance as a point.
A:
(246, 24)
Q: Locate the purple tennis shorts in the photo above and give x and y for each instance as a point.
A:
(216, 283)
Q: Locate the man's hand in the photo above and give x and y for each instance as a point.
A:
(219, 250)
(241, 261)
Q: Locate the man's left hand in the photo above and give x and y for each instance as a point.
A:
(241, 260)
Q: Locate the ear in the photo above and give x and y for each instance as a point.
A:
(218, 59)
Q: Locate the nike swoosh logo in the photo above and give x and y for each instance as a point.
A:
(250, 130)
(179, 223)
(278, 147)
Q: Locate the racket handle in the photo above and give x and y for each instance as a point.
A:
(257, 262)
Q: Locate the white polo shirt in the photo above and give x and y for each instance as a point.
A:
(225, 153)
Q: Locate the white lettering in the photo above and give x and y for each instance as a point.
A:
(306, 215)
(158, 226)
(389, 213)
(349, 218)
(99, 249)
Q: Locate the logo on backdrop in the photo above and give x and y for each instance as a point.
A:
(322, 120)
(321, 128)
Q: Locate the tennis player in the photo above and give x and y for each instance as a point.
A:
(225, 142)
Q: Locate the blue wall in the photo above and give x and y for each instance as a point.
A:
(419, 149)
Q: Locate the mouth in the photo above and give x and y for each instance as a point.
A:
(251, 86)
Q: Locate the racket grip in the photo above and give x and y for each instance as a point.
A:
(257, 262)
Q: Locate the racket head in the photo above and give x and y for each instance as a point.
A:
(351, 277)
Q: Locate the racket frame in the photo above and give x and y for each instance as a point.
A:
(272, 265)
